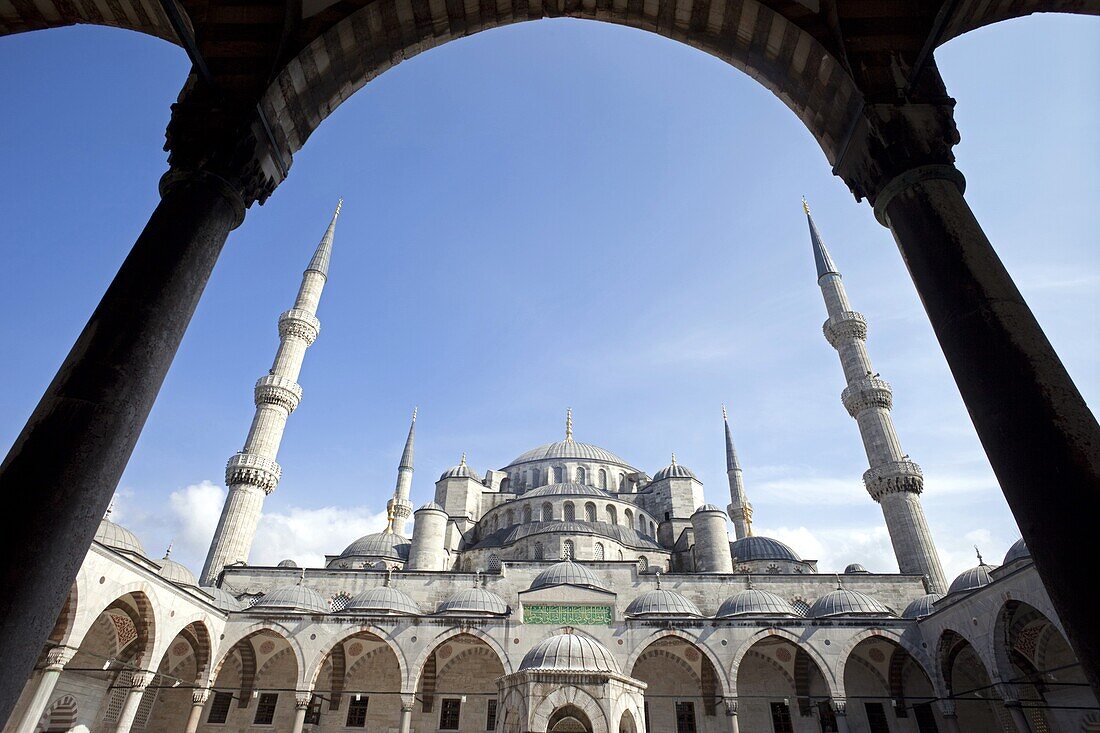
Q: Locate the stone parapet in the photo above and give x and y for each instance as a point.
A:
(274, 389)
(866, 393)
(254, 470)
(893, 477)
(299, 323)
(844, 326)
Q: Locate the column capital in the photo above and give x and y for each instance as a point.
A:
(839, 705)
(58, 657)
(200, 696)
(947, 708)
(141, 679)
(408, 703)
(302, 699)
(731, 706)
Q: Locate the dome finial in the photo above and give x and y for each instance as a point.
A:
(839, 585)
(302, 577)
(415, 409)
(462, 461)
(673, 458)
(724, 415)
(168, 550)
(805, 206)
(389, 575)
(657, 573)
(389, 519)
(979, 554)
(748, 581)
(569, 423)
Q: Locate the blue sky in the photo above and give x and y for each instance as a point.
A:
(559, 213)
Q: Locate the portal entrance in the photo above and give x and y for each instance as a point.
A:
(569, 719)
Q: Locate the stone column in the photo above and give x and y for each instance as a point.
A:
(840, 709)
(198, 701)
(408, 703)
(950, 716)
(56, 660)
(138, 684)
(301, 706)
(731, 714)
(1033, 423)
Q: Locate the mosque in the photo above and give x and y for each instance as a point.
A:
(570, 591)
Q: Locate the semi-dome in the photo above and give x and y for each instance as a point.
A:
(566, 489)
(753, 602)
(223, 599)
(566, 572)
(174, 572)
(569, 449)
(922, 606)
(755, 547)
(971, 579)
(659, 603)
(383, 600)
(118, 538)
(387, 545)
(1018, 551)
(843, 602)
(673, 470)
(460, 471)
(288, 563)
(474, 601)
(570, 653)
(298, 598)
(855, 569)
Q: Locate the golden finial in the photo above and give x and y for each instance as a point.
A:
(805, 206)
(674, 458)
(462, 462)
(389, 519)
(569, 423)
(746, 512)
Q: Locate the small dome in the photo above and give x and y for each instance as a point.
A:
(566, 572)
(288, 563)
(971, 579)
(922, 606)
(709, 508)
(660, 603)
(384, 600)
(753, 602)
(1018, 551)
(754, 547)
(570, 653)
(118, 538)
(380, 544)
(474, 601)
(431, 506)
(843, 602)
(566, 489)
(673, 470)
(293, 598)
(460, 471)
(223, 599)
(174, 572)
(854, 569)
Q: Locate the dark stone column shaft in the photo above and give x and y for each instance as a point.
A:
(1041, 438)
(65, 465)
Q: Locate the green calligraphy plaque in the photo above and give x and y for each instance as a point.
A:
(567, 615)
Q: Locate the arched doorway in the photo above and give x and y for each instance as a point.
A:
(781, 688)
(886, 686)
(457, 686)
(358, 685)
(184, 666)
(627, 724)
(254, 684)
(569, 719)
(682, 692)
(977, 704)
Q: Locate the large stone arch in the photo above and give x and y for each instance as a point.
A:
(919, 655)
(229, 643)
(723, 679)
(144, 611)
(764, 634)
(967, 681)
(566, 696)
(320, 656)
(879, 667)
(415, 671)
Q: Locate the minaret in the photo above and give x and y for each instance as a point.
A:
(740, 510)
(399, 508)
(893, 480)
(253, 473)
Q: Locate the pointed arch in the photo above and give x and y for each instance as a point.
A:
(776, 633)
(417, 667)
(721, 676)
(317, 661)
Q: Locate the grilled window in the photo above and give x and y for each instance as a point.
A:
(357, 712)
(449, 714)
(685, 717)
(265, 709)
(781, 718)
(219, 707)
(491, 716)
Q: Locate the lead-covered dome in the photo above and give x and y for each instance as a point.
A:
(295, 598)
(474, 601)
(843, 602)
(567, 489)
(570, 653)
(855, 569)
(673, 470)
(569, 449)
(460, 471)
(174, 572)
(755, 547)
(753, 602)
(971, 579)
(223, 599)
(566, 572)
(921, 607)
(387, 545)
(118, 538)
(383, 600)
(1018, 551)
(660, 603)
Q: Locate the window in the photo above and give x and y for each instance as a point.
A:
(568, 551)
(781, 718)
(494, 564)
(926, 720)
(628, 518)
(590, 512)
(505, 486)
(449, 714)
(612, 516)
(599, 551)
(510, 517)
(265, 709)
(603, 485)
(547, 512)
(622, 482)
(643, 564)
(339, 602)
(876, 717)
(534, 478)
(621, 556)
(357, 712)
(685, 717)
(559, 475)
(491, 716)
(313, 712)
(538, 551)
(570, 512)
(219, 707)
(582, 476)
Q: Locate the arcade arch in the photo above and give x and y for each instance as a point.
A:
(681, 683)
(967, 684)
(457, 684)
(781, 686)
(883, 681)
(254, 682)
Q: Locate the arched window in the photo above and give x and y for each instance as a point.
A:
(510, 517)
(547, 512)
(599, 551)
(628, 518)
(652, 529)
(568, 551)
(527, 514)
(641, 524)
(559, 475)
(643, 564)
(505, 485)
(603, 479)
(582, 475)
(538, 551)
(494, 564)
(535, 478)
(612, 515)
(570, 512)
(620, 556)
(622, 482)
(590, 512)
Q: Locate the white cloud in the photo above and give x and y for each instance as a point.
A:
(306, 535)
(836, 548)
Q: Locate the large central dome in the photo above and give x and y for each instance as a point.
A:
(569, 448)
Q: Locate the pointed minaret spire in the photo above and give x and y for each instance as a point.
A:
(253, 472)
(740, 510)
(569, 423)
(894, 481)
(399, 507)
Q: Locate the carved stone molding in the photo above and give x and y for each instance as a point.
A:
(894, 477)
(301, 324)
(253, 470)
(199, 697)
(843, 327)
(870, 392)
(58, 657)
(274, 389)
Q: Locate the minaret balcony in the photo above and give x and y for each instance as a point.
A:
(274, 389)
(892, 478)
(253, 470)
(844, 327)
(299, 323)
(866, 393)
